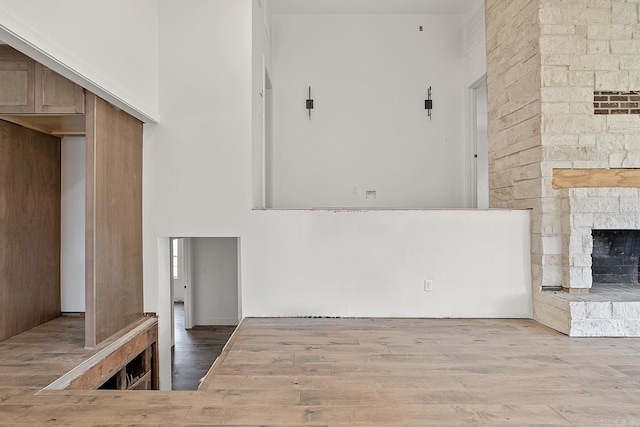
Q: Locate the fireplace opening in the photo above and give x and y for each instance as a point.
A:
(615, 256)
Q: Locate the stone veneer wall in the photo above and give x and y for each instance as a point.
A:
(513, 84)
(585, 46)
(546, 59)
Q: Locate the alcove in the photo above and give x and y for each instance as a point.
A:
(368, 142)
(41, 107)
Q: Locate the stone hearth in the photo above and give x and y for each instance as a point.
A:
(611, 311)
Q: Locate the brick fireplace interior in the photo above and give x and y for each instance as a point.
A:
(615, 255)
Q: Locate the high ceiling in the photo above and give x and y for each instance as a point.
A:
(459, 7)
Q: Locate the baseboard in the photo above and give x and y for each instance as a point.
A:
(216, 321)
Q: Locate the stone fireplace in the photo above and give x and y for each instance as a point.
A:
(563, 82)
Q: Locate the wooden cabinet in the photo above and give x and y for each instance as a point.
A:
(27, 87)
(17, 85)
(55, 94)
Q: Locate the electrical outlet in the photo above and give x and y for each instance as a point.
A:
(370, 194)
(355, 190)
(428, 285)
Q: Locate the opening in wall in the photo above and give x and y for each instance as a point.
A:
(268, 140)
(205, 271)
(263, 143)
(369, 132)
(615, 257)
(479, 150)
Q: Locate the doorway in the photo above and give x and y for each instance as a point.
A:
(205, 308)
(268, 140)
(479, 119)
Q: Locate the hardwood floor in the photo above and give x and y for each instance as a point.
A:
(361, 372)
(35, 358)
(195, 350)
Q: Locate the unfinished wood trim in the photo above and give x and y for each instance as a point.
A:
(29, 228)
(143, 383)
(113, 220)
(596, 178)
(155, 367)
(93, 372)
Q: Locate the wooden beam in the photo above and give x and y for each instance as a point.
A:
(596, 178)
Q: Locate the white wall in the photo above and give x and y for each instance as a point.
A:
(197, 160)
(215, 281)
(72, 238)
(475, 72)
(475, 46)
(198, 182)
(178, 291)
(109, 47)
(261, 58)
(369, 129)
(374, 263)
(482, 147)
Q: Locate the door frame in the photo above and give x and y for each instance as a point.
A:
(472, 137)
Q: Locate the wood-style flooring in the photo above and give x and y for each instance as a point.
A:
(195, 350)
(363, 372)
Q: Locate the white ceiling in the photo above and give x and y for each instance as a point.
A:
(458, 7)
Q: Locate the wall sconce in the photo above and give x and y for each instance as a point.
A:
(428, 103)
(309, 103)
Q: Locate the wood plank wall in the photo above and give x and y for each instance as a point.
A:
(114, 220)
(29, 228)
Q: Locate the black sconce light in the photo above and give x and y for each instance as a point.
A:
(428, 103)
(309, 103)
